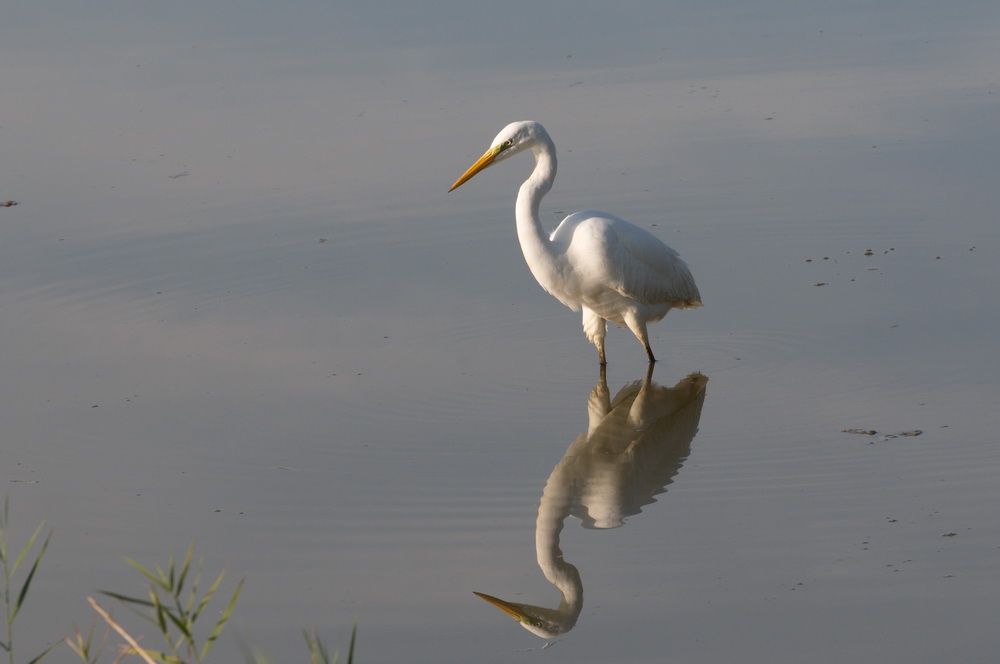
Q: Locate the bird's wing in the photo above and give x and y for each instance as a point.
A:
(653, 272)
(633, 261)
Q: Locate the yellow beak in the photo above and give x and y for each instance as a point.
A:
(510, 609)
(480, 164)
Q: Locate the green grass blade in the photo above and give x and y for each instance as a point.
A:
(182, 625)
(80, 645)
(158, 612)
(27, 547)
(317, 649)
(168, 576)
(350, 649)
(164, 657)
(207, 596)
(223, 619)
(27, 581)
(184, 568)
(157, 579)
(3, 529)
(125, 599)
(164, 614)
(43, 654)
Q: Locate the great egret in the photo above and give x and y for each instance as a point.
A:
(634, 446)
(612, 270)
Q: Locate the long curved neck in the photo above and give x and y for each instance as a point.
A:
(534, 240)
(553, 509)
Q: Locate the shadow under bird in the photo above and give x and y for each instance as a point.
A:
(593, 261)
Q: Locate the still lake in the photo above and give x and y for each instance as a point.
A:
(237, 306)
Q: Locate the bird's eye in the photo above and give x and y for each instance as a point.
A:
(508, 143)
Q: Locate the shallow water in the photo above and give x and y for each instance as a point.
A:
(239, 307)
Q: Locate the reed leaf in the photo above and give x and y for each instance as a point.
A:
(208, 595)
(184, 570)
(223, 619)
(125, 599)
(41, 656)
(157, 578)
(31, 574)
(27, 547)
(81, 645)
(317, 649)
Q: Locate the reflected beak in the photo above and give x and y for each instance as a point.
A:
(512, 610)
(480, 164)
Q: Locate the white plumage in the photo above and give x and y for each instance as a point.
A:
(593, 261)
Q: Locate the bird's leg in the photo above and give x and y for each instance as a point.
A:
(595, 328)
(638, 327)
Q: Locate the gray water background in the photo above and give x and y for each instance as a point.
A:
(237, 306)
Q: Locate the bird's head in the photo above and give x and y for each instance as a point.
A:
(538, 620)
(513, 139)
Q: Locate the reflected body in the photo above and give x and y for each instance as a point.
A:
(595, 262)
(633, 447)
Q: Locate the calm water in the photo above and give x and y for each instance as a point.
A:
(238, 307)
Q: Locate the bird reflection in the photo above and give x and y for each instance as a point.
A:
(634, 446)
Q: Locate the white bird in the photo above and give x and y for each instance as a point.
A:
(612, 270)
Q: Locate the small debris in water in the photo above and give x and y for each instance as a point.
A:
(13, 203)
(885, 436)
(820, 283)
(949, 534)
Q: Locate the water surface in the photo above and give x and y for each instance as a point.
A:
(238, 306)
